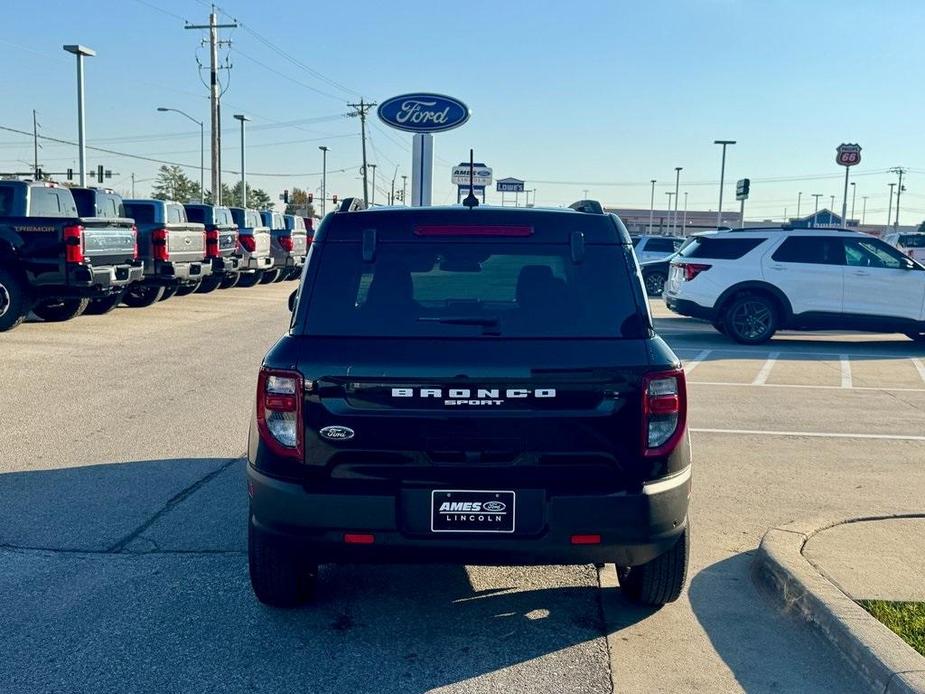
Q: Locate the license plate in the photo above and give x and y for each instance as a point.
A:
(471, 511)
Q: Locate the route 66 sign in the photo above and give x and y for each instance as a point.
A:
(848, 155)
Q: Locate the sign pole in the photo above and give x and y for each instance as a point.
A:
(844, 202)
(742, 214)
(422, 169)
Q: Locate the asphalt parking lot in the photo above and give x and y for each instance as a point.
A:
(122, 524)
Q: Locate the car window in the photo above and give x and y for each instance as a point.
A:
(223, 216)
(912, 240)
(446, 289)
(635, 241)
(43, 203)
(143, 213)
(253, 219)
(176, 214)
(6, 202)
(109, 205)
(657, 245)
(720, 248)
(872, 253)
(816, 250)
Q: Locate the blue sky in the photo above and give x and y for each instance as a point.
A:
(604, 97)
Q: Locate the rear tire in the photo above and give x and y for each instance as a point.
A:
(655, 283)
(249, 279)
(14, 300)
(230, 280)
(280, 576)
(58, 310)
(661, 580)
(169, 292)
(209, 284)
(187, 289)
(270, 276)
(104, 304)
(283, 274)
(141, 295)
(751, 319)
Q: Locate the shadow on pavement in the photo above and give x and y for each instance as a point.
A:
(136, 581)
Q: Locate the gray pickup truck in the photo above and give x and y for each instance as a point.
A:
(173, 250)
(254, 238)
(53, 259)
(221, 245)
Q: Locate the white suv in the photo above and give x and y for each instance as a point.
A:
(749, 283)
(649, 248)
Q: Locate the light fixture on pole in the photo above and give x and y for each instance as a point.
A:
(81, 52)
(324, 178)
(202, 149)
(722, 176)
(652, 205)
(677, 183)
(669, 194)
(241, 117)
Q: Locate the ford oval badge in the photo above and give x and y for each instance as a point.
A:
(423, 113)
(336, 433)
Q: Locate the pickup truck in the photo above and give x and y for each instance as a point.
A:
(173, 250)
(254, 240)
(280, 243)
(53, 261)
(299, 240)
(221, 245)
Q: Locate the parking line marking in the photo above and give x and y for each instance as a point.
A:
(803, 385)
(759, 353)
(692, 364)
(762, 377)
(845, 371)
(812, 434)
(919, 366)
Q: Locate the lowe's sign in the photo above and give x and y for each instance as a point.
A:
(423, 113)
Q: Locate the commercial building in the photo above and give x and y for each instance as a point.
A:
(637, 221)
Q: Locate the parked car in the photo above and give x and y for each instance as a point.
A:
(173, 250)
(254, 242)
(299, 240)
(222, 249)
(510, 405)
(55, 261)
(911, 243)
(655, 272)
(655, 247)
(280, 246)
(752, 282)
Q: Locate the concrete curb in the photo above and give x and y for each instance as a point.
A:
(884, 660)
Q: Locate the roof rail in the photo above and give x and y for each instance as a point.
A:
(588, 207)
(790, 227)
(351, 205)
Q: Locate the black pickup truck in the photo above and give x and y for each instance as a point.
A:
(173, 250)
(221, 245)
(470, 386)
(53, 260)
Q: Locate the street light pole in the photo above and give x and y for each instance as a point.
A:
(684, 225)
(889, 209)
(677, 183)
(324, 178)
(854, 193)
(816, 196)
(799, 198)
(669, 194)
(81, 52)
(863, 208)
(372, 198)
(651, 205)
(404, 190)
(241, 117)
(722, 176)
(202, 150)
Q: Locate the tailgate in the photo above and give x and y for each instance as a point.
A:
(262, 242)
(299, 243)
(108, 241)
(186, 242)
(227, 241)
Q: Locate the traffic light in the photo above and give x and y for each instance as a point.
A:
(286, 196)
(334, 198)
(100, 173)
(311, 198)
(70, 174)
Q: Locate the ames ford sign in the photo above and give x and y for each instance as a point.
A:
(423, 113)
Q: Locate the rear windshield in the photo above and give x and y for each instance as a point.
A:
(6, 201)
(912, 240)
(452, 289)
(720, 247)
(252, 219)
(51, 202)
(141, 212)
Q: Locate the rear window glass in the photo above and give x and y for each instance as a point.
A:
(6, 202)
(223, 216)
(196, 214)
(912, 240)
(723, 248)
(140, 212)
(252, 219)
(176, 214)
(109, 205)
(665, 246)
(635, 241)
(51, 202)
(433, 289)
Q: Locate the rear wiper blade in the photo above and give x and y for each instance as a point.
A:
(485, 321)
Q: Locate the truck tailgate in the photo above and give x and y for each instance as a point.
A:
(108, 241)
(186, 242)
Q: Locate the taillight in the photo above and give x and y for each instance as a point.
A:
(664, 411)
(212, 245)
(134, 242)
(308, 240)
(279, 411)
(159, 241)
(73, 243)
(285, 243)
(691, 270)
(248, 243)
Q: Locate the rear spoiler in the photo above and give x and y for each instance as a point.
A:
(587, 206)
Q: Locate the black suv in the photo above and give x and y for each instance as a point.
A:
(478, 386)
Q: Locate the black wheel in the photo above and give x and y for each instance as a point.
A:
(918, 337)
(14, 300)
(751, 319)
(104, 304)
(283, 274)
(187, 289)
(141, 295)
(230, 280)
(294, 274)
(57, 310)
(169, 292)
(655, 283)
(661, 580)
(249, 279)
(209, 284)
(280, 576)
(270, 276)
(719, 327)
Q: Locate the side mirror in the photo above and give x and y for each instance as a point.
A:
(292, 300)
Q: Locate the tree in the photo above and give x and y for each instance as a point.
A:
(256, 198)
(172, 184)
(922, 227)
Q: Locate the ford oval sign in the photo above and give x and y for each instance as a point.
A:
(423, 113)
(336, 433)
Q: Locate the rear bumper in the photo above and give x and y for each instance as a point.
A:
(87, 280)
(634, 528)
(690, 308)
(169, 273)
(252, 263)
(226, 265)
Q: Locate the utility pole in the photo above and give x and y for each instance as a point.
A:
(324, 179)
(864, 208)
(404, 190)
(35, 142)
(215, 98)
(133, 184)
(360, 110)
(899, 191)
(651, 205)
(889, 209)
